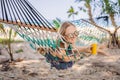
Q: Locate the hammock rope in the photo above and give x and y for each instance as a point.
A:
(36, 30)
(20, 12)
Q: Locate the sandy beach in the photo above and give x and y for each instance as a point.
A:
(61, 26)
(35, 67)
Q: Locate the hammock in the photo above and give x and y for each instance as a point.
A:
(35, 29)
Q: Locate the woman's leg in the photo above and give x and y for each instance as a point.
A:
(99, 51)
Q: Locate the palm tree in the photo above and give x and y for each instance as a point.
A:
(71, 12)
(8, 39)
(109, 8)
(2, 28)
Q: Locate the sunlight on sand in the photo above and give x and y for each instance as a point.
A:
(81, 67)
(111, 59)
(22, 63)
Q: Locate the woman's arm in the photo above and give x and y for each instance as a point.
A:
(62, 55)
(84, 49)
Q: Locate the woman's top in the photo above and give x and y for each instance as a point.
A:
(59, 63)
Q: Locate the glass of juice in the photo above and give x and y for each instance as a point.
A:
(94, 48)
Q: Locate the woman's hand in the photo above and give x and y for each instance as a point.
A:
(88, 49)
(41, 50)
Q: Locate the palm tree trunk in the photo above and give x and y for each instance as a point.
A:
(9, 45)
(114, 42)
(10, 52)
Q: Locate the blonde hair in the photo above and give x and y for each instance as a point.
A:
(62, 31)
(63, 27)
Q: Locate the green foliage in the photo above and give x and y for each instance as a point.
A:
(10, 34)
(108, 8)
(18, 51)
(15, 34)
(5, 41)
(72, 12)
(82, 9)
(56, 24)
(88, 1)
(9, 38)
(2, 28)
(86, 5)
(119, 2)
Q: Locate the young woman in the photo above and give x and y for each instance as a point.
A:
(66, 56)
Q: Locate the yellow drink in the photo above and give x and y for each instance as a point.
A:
(94, 49)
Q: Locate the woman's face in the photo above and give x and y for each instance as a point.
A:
(71, 34)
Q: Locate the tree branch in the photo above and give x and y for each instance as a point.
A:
(118, 27)
(93, 22)
(96, 26)
(113, 20)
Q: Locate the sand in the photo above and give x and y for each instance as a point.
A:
(35, 67)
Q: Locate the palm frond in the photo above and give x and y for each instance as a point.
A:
(71, 10)
(69, 15)
(15, 34)
(76, 13)
(119, 2)
(2, 28)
